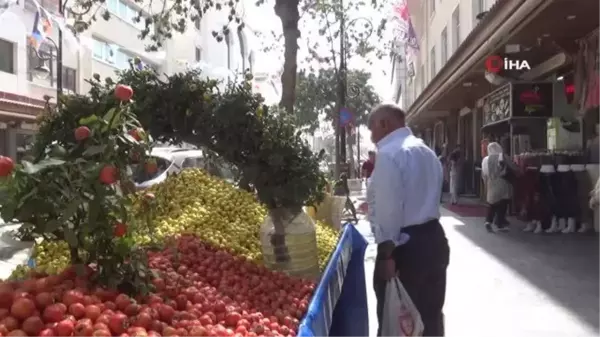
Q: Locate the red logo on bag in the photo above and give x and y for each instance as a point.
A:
(407, 324)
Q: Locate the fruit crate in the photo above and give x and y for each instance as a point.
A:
(339, 304)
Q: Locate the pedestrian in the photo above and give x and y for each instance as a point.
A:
(368, 166)
(496, 168)
(404, 212)
(444, 178)
(454, 166)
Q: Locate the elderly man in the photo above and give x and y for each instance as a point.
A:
(404, 214)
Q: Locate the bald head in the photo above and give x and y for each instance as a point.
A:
(385, 118)
(388, 111)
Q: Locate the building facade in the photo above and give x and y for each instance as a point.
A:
(441, 27)
(455, 100)
(105, 47)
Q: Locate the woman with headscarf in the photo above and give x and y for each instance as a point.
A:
(454, 166)
(499, 189)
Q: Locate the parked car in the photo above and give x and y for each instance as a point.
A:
(172, 160)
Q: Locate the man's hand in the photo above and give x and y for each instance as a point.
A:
(386, 269)
(386, 264)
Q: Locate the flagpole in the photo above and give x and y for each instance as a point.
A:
(59, 54)
(59, 50)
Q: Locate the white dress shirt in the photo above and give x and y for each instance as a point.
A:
(405, 186)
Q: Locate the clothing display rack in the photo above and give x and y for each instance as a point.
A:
(553, 192)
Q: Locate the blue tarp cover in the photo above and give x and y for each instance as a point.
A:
(339, 304)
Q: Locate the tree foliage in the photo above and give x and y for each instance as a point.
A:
(79, 188)
(163, 18)
(317, 95)
(260, 141)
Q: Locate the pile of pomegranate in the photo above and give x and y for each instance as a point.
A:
(199, 291)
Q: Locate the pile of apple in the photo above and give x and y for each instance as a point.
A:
(199, 291)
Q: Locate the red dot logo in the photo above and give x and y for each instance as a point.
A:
(494, 64)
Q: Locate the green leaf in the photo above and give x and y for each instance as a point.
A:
(89, 120)
(51, 226)
(112, 118)
(71, 238)
(94, 150)
(93, 211)
(41, 165)
(70, 210)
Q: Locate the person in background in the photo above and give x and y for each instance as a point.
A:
(499, 189)
(454, 174)
(404, 212)
(444, 177)
(368, 166)
(595, 200)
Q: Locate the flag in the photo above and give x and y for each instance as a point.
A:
(411, 39)
(42, 27)
(404, 28)
(406, 35)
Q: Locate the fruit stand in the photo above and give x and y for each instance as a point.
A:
(192, 256)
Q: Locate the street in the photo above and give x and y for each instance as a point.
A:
(511, 284)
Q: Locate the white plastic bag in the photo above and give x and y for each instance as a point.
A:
(400, 316)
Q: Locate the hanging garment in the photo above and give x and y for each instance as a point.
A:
(527, 195)
(593, 77)
(546, 199)
(564, 187)
(584, 187)
(580, 76)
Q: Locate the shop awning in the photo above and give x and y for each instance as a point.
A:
(461, 81)
(19, 108)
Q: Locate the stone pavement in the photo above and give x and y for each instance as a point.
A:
(512, 284)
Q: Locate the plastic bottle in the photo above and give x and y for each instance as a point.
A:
(297, 255)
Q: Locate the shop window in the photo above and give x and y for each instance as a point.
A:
(432, 64)
(444, 46)
(477, 8)
(126, 13)
(240, 35)
(456, 28)
(111, 54)
(228, 46)
(69, 78)
(7, 57)
(198, 54)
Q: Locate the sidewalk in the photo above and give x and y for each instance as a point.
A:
(512, 284)
(12, 252)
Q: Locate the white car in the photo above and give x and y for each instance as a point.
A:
(172, 160)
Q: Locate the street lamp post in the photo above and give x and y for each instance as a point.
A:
(42, 70)
(341, 158)
(342, 83)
